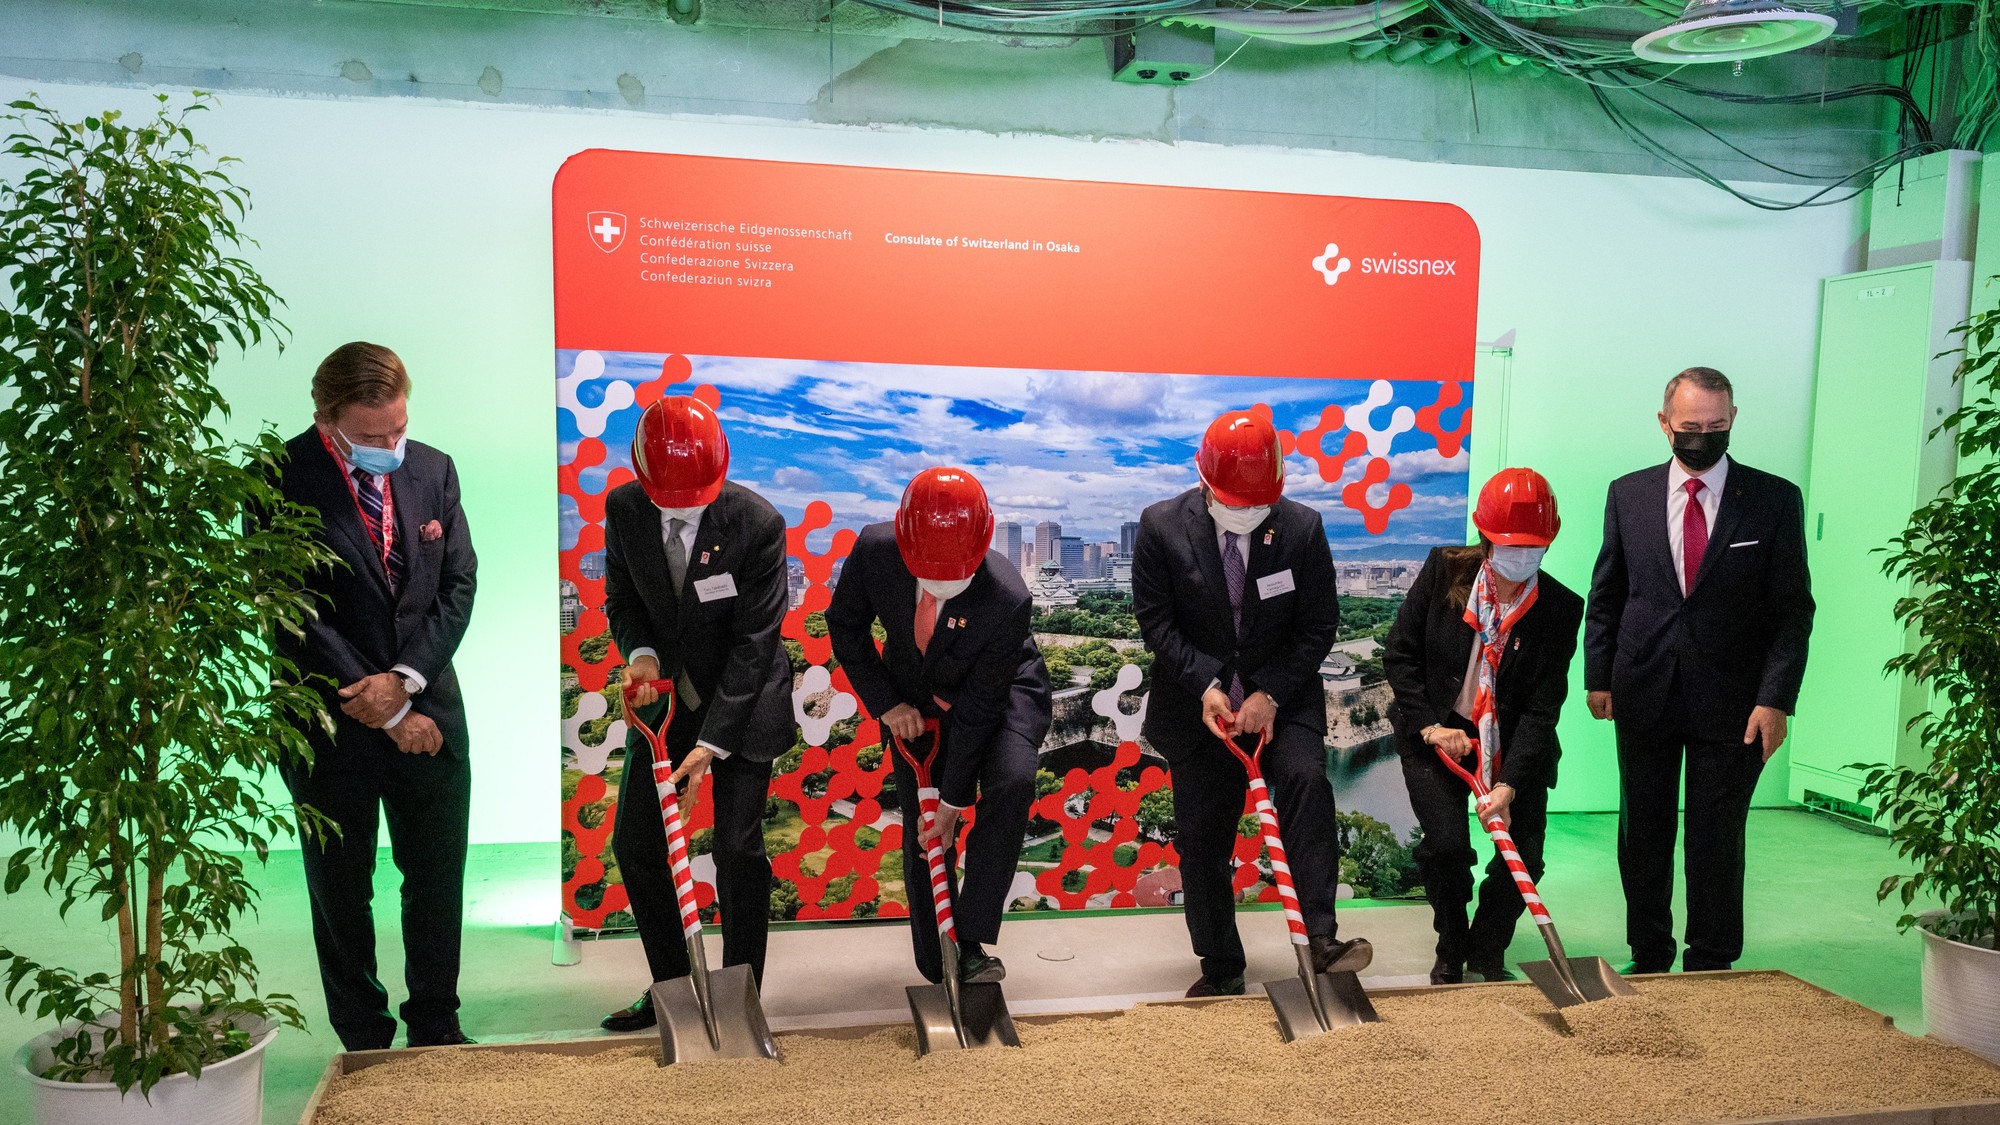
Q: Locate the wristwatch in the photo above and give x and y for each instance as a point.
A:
(410, 686)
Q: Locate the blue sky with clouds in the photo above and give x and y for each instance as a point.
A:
(1088, 449)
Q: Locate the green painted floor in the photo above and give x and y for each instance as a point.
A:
(1812, 912)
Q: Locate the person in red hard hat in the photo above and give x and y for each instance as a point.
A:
(958, 650)
(1233, 586)
(1481, 651)
(694, 585)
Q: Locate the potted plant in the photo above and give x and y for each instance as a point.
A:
(139, 701)
(1944, 813)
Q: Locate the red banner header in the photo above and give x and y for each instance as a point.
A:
(713, 256)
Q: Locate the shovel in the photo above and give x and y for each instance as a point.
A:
(705, 1015)
(1310, 1003)
(951, 1015)
(1565, 980)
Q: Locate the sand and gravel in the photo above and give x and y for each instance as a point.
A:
(1683, 1050)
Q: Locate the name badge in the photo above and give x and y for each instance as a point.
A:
(715, 586)
(1271, 585)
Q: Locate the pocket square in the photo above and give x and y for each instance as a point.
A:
(1747, 543)
(431, 532)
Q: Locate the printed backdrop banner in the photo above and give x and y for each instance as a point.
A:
(1065, 341)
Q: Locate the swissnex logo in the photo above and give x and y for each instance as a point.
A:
(607, 229)
(1331, 264)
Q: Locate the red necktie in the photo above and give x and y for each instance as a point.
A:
(1694, 535)
(926, 620)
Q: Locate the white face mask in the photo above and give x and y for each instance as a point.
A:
(943, 591)
(1242, 521)
(685, 515)
(1517, 564)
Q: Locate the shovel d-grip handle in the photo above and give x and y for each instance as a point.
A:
(1267, 820)
(927, 803)
(670, 801)
(1502, 839)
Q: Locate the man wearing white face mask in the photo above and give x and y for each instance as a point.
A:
(387, 627)
(1234, 590)
(957, 650)
(694, 585)
(1480, 654)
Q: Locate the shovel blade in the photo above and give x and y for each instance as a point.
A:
(1594, 976)
(1347, 1004)
(986, 1020)
(740, 1030)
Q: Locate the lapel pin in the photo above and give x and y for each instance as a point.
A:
(704, 558)
(1268, 534)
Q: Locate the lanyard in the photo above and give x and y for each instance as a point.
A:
(384, 535)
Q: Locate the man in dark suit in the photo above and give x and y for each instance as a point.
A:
(1700, 608)
(694, 584)
(388, 624)
(958, 650)
(1233, 587)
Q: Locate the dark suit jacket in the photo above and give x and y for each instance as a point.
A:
(1737, 640)
(982, 657)
(1182, 603)
(362, 628)
(1430, 645)
(728, 646)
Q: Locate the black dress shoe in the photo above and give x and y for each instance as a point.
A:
(638, 1017)
(976, 966)
(1492, 971)
(1634, 968)
(1350, 956)
(1207, 987)
(1447, 972)
(452, 1036)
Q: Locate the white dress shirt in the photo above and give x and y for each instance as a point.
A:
(1710, 498)
(689, 528)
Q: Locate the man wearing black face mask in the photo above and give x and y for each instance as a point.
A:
(1700, 609)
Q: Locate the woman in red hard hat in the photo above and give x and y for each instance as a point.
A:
(1481, 651)
(957, 649)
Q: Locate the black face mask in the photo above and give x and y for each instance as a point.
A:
(1700, 451)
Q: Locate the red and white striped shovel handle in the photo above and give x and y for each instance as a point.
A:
(1509, 854)
(927, 802)
(1267, 819)
(670, 801)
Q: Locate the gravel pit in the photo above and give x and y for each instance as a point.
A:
(1714, 1049)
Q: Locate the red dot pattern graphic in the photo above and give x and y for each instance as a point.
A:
(1104, 853)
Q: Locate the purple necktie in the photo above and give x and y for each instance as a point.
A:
(1232, 578)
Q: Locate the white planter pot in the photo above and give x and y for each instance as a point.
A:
(1962, 993)
(230, 1092)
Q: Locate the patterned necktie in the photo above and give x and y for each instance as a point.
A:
(370, 492)
(1694, 536)
(1232, 578)
(677, 569)
(677, 556)
(926, 623)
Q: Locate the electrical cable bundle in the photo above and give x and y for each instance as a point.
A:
(1611, 72)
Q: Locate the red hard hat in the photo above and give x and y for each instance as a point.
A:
(1240, 461)
(943, 525)
(680, 453)
(1517, 509)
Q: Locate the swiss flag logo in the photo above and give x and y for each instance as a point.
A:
(607, 230)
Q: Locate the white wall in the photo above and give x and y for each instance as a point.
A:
(425, 226)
